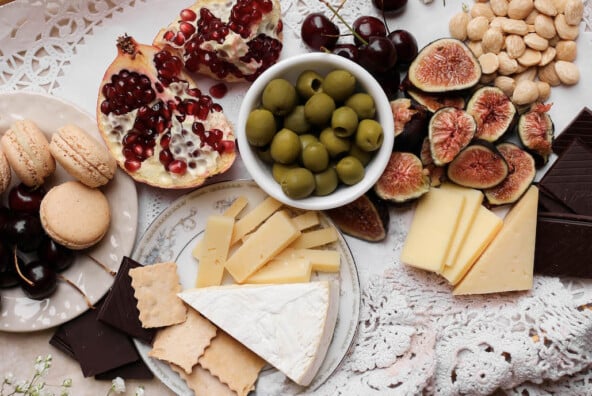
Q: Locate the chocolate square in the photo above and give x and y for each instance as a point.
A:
(120, 306)
(569, 179)
(60, 341)
(135, 370)
(579, 128)
(548, 203)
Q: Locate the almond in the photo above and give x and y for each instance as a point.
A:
(568, 72)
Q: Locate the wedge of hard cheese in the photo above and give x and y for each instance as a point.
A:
(288, 325)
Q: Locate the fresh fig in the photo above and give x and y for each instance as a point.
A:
(403, 179)
(366, 218)
(535, 130)
(437, 173)
(521, 173)
(411, 124)
(435, 102)
(444, 65)
(450, 130)
(493, 112)
(480, 165)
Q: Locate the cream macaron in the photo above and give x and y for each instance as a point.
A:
(82, 156)
(5, 172)
(75, 215)
(27, 151)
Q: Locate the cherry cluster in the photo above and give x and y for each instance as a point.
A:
(29, 258)
(382, 52)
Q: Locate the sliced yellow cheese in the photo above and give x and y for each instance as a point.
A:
(214, 250)
(432, 229)
(473, 201)
(282, 270)
(274, 235)
(306, 220)
(254, 218)
(507, 263)
(315, 238)
(484, 228)
(322, 260)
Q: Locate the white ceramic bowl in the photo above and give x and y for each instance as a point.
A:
(290, 69)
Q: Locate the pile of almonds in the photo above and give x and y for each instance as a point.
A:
(525, 47)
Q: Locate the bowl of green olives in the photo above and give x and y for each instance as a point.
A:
(315, 131)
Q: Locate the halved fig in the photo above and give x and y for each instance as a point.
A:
(365, 218)
(411, 124)
(535, 130)
(450, 130)
(493, 112)
(480, 165)
(435, 102)
(437, 173)
(444, 65)
(403, 179)
(521, 173)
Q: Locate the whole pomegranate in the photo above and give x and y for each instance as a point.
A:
(230, 40)
(160, 128)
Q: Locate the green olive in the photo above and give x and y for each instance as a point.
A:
(339, 84)
(344, 121)
(279, 96)
(363, 105)
(306, 139)
(285, 146)
(260, 127)
(278, 171)
(369, 135)
(335, 145)
(309, 83)
(298, 183)
(326, 182)
(363, 156)
(319, 108)
(350, 170)
(265, 154)
(315, 157)
(296, 121)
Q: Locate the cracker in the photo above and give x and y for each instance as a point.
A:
(156, 287)
(232, 363)
(203, 383)
(183, 343)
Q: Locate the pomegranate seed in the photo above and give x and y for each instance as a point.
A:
(132, 165)
(219, 90)
(198, 128)
(105, 107)
(195, 92)
(227, 146)
(187, 28)
(165, 157)
(178, 167)
(138, 150)
(191, 106)
(187, 15)
(179, 38)
(217, 107)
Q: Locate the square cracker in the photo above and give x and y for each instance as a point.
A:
(203, 383)
(156, 287)
(183, 343)
(234, 364)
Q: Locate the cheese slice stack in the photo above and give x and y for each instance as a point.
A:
(288, 325)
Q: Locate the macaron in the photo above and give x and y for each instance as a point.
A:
(75, 215)
(82, 156)
(5, 172)
(27, 151)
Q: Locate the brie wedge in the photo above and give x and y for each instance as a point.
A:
(288, 325)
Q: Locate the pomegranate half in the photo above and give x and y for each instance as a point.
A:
(157, 124)
(229, 40)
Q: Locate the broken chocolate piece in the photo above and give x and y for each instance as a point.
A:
(563, 245)
(135, 370)
(580, 127)
(548, 203)
(120, 306)
(569, 179)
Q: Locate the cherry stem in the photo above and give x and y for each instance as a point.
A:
(107, 269)
(336, 13)
(78, 289)
(18, 269)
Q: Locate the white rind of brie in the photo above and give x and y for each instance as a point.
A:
(288, 325)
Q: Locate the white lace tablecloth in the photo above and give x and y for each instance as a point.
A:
(414, 337)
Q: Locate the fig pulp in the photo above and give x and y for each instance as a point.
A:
(535, 130)
(480, 165)
(403, 179)
(520, 176)
(493, 112)
(450, 130)
(411, 124)
(366, 218)
(444, 65)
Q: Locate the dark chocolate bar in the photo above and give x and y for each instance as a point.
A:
(548, 203)
(580, 127)
(120, 306)
(135, 370)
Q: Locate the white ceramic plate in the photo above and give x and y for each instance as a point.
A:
(174, 233)
(21, 314)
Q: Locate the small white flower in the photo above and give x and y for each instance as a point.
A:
(9, 378)
(139, 391)
(118, 385)
(67, 383)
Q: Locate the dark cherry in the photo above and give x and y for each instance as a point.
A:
(393, 6)
(25, 231)
(405, 44)
(4, 217)
(319, 32)
(348, 51)
(8, 275)
(57, 256)
(22, 198)
(368, 26)
(389, 81)
(38, 280)
(378, 56)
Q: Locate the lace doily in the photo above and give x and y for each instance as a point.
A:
(414, 337)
